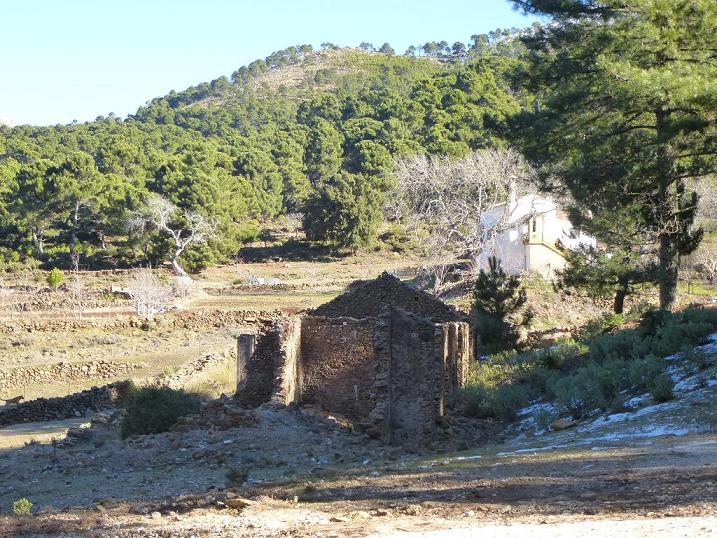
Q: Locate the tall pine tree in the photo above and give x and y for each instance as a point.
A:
(627, 111)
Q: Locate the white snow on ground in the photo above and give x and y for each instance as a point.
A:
(643, 420)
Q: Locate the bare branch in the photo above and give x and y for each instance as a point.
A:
(447, 200)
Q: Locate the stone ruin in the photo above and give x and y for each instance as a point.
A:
(389, 358)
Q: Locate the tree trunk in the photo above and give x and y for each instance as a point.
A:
(39, 241)
(73, 229)
(669, 256)
(619, 304)
(669, 271)
(178, 270)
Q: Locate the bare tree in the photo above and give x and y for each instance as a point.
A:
(163, 215)
(446, 200)
(149, 296)
(75, 288)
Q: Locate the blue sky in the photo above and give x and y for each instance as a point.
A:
(64, 60)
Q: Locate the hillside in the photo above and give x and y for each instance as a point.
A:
(301, 131)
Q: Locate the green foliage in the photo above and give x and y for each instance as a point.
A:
(625, 118)
(243, 151)
(542, 419)
(601, 325)
(584, 377)
(617, 271)
(155, 409)
(237, 475)
(555, 357)
(22, 507)
(661, 388)
(347, 213)
(55, 277)
(499, 308)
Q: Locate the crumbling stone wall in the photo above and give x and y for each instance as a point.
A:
(395, 374)
(21, 377)
(74, 405)
(259, 384)
(339, 361)
(288, 367)
(420, 368)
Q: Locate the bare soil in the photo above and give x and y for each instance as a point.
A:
(641, 488)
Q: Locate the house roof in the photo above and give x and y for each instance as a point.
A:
(520, 210)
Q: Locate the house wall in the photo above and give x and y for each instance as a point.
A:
(339, 364)
(543, 260)
(395, 375)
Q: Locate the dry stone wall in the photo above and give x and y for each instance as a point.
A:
(179, 320)
(339, 363)
(395, 375)
(19, 378)
(194, 368)
(74, 405)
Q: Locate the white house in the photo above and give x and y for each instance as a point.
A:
(533, 237)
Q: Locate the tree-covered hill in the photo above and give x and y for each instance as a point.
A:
(301, 131)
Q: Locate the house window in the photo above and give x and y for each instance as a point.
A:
(535, 227)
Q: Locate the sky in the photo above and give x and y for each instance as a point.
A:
(65, 60)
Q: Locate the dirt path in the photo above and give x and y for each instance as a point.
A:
(41, 432)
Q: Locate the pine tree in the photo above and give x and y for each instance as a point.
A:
(626, 111)
(499, 308)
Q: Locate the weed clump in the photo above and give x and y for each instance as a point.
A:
(155, 409)
(22, 507)
(55, 278)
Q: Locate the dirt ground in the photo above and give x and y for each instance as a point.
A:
(304, 474)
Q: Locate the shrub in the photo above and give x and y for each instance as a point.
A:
(501, 402)
(499, 307)
(593, 386)
(601, 325)
(543, 419)
(642, 372)
(555, 356)
(237, 476)
(698, 358)
(624, 345)
(55, 278)
(661, 388)
(22, 507)
(155, 409)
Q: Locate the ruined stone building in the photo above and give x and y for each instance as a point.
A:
(386, 356)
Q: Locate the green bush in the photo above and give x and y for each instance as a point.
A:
(543, 419)
(600, 326)
(611, 363)
(554, 357)
(642, 372)
(501, 402)
(55, 278)
(22, 507)
(591, 387)
(155, 409)
(662, 388)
